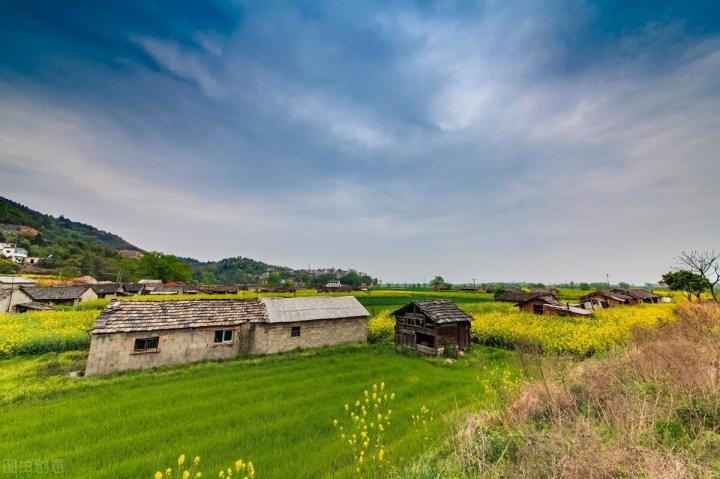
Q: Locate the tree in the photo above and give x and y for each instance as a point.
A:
(166, 267)
(273, 278)
(8, 266)
(687, 282)
(624, 285)
(706, 264)
(584, 286)
(352, 278)
(437, 281)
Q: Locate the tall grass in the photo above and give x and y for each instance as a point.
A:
(652, 410)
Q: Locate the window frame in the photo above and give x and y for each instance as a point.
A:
(294, 330)
(222, 334)
(148, 340)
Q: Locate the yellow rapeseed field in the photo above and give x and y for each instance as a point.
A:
(44, 331)
(606, 329)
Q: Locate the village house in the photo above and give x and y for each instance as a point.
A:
(11, 251)
(108, 290)
(168, 290)
(639, 295)
(541, 303)
(65, 295)
(133, 289)
(15, 282)
(11, 299)
(150, 284)
(147, 334)
(604, 299)
(432, 326)
(217, 289)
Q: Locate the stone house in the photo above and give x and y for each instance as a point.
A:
(147, 334)
(65, 295)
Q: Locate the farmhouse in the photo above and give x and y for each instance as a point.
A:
(146, 334)
(639, 295)
(548, 305)
(107, 290)
(432, 326)
(15, 282)
(513, 295)
(11, 299)
(66, 295)
(605, 299)
(133, 289)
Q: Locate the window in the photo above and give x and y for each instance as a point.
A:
(224, 336)
(295, 331)
(143, 345)
(538, 308)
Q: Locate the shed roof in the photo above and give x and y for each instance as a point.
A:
(129, 316)
(133, 287)
(57, 293)
(607, 294)
(309, 308)
(439, 310)
(515, 295)
(569, 308)
(636, 293)
(16, 280)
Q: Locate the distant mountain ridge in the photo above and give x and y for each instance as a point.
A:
(73, 248)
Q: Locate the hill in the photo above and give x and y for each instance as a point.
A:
(70, 248)
(59, 229)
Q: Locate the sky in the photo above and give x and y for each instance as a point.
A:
(543, 141)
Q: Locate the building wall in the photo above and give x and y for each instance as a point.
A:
(270, 338)
(18, 297)
(114, 352)
(88, 295)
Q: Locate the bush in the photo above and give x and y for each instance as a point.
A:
(381, 328)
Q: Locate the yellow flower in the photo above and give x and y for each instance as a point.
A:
(199, 474)
(168, 471)
(158, 475)
(382, 386)
(335, 422)
(381, 454)
(239, 464)
(181, 460)
(196, 461)
(186, 474)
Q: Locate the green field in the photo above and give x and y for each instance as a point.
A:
(276, 411)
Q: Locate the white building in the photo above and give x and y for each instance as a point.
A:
(10, 250)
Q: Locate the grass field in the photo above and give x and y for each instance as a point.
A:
(276, 411)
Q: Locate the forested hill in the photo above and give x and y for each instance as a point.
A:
(55, 229)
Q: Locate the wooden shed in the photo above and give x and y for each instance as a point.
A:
(547, 305)
(432, 326)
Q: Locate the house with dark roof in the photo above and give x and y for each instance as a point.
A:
(133, 289)
(605, 299)
(548, 305)
(107, 290)
(11, 299)
(432, 326)
(148, 334)
(65, 295)
(639, 295)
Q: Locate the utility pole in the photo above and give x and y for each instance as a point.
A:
(607, 277)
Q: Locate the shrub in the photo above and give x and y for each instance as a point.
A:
(381, 328)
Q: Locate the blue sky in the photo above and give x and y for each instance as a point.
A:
(541, 141)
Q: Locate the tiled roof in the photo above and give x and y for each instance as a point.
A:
(439, 310)
(57, 293)
(107, 288)
(16, 280)
(128, 316)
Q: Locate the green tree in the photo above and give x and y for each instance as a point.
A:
(8, 266)
(273, 278)
(585, 286)
(166, 267)
(624, 285)
(687, 282)
(437, 281)
(352, 278)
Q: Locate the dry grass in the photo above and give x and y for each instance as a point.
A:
(652, 411)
